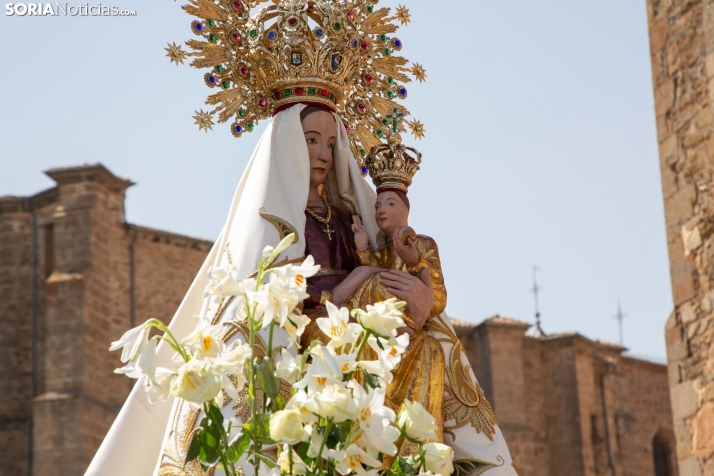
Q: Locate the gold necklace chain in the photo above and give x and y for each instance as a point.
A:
(324, 221)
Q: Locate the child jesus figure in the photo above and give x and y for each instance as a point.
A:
(420, 374)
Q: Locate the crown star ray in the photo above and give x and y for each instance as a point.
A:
(337, 53)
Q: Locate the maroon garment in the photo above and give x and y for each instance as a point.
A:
(337, 257)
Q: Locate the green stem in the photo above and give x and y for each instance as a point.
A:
(290, 460)
(364, 341)
(328, 429)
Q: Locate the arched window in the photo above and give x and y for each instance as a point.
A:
(660, 452)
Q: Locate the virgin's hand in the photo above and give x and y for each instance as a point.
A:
(408, 252)
(345, 289)
(360, 234)
(419, 296)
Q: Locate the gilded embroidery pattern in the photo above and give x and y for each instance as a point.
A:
(474, 467)
(464, 400)
(283, 226)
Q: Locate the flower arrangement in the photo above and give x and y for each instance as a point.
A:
(334, 421)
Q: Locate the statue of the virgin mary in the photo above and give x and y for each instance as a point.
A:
(328, 74)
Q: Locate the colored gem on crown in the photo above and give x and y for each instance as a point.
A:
(368, 78)
(362, 108)
(236, 36)
(243, 70)
(272, 35)
(319, 32)
(350, 15)
(263, 102)
(299, 91)
(237, 5)
(324, 93)
(292, 21)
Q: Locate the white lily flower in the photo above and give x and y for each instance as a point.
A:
(418, 423)
(390, 353)
(222, 282)
(297, 402)
(373, 417)
(316, 439)
(347, 362)
(197, 381)
(324, 370)
(352, 459)
(299, 467)
(158, 389)
(206, 340)
(277, 301)
(143, 365)
(295, 277)
(334, 403)
(379, 368)
(269, 251)
(288, 368)
(233, 362)
(132, 342)
(438, 458)
(337, 327)
(296, 331)
(383, 318)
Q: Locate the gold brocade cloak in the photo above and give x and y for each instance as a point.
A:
(420, 375)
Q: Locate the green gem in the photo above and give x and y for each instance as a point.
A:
(384, 37)
(212, 38)
(385, 122)
(370, 9)
(251, 33)
(286, 92)
(250, 126)
(241, 113)
(225, 84)
(211, 22)
(219, 68)
(387, 52)
(337, 26)
(312, 91)
(390, 94)
(379, 133)
(362, 152)
(391, 80)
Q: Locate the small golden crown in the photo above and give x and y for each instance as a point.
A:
(392, 165)
(336, 53)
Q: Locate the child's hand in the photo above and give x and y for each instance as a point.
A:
(361, 238)
(407, 252)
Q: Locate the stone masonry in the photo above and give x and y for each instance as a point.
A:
(74, 276)
(682, 53)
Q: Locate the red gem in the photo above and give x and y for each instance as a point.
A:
(244, 70)
(236, 35)
(399, 146)
(292, 21)
(324, 93)
(347, 129)
(362, 108)
(299, 91)
(368, 78)
(350, 15)
(262, 102)
(365, 45)
(276, 95)
(237, 5)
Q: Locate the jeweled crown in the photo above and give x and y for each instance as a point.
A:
(392, 165)
(335, 53)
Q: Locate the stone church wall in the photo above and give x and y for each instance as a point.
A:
(95, 274)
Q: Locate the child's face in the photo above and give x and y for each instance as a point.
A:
(391, 212)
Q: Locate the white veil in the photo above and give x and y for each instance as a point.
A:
(276, 183)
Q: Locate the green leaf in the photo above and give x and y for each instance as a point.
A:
(379, 343)
(405, 467)
(266, 378)
(371, 380)
(194, 448)
(214, 413)
(261, 430)
(237, 447)
(278, 403)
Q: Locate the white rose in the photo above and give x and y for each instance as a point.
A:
(418, 423)
(196, 382)
(382, 318)
(438, 458)
(286, 426)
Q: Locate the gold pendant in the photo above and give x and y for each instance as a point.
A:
(329, 231)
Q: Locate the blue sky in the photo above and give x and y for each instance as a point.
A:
(541, 146)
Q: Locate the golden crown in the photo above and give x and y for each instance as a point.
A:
(336, 53)
(392, 165)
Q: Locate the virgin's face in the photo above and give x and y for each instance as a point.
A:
(319, 128)
(391, 212)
